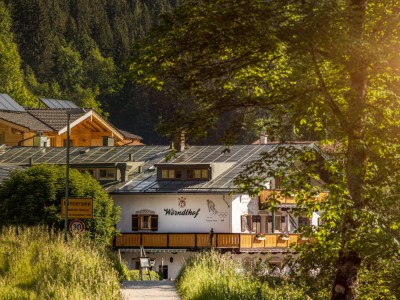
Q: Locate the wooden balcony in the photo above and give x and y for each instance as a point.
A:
(234, 241)
(276, 195)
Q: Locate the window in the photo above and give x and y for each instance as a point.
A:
(251, 223)
(144, 222)
(184, 174)
(107, 173)
(280, 223)
(197, 174)
(168, 174)
(278, 183)
(256, 223)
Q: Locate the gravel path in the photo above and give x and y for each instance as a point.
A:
(165, 289)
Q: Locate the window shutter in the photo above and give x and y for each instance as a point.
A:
(243, 223)
(249, 223)
(154, 222)
(269, 219)
(135, 222)
(283, 219)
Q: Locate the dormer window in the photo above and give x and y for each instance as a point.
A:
(171, 174)
(184, 172)
(197, 174)
(108, 173)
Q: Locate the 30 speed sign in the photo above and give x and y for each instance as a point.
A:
(77, 226)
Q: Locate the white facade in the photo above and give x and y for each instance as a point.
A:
(190, 213)
(199, 213)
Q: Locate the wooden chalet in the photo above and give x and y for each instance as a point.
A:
(47, 127)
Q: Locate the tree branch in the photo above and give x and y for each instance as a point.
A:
(328, 97)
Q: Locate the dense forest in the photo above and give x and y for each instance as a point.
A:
(77, 50)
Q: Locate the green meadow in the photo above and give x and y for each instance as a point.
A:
(36, 263)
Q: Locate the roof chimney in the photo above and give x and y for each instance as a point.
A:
(182, 141)
(263, 138)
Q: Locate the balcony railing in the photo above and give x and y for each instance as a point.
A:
(202, 240)
(268, 195)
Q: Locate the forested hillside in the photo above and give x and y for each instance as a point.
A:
(76, 50)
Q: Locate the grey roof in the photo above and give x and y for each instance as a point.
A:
(238, 156)
(8, 103)
(54, 103)
(5, 171)
(54, 118)
(80, 155)
(234, 160)
(24, 119)
(129, 135)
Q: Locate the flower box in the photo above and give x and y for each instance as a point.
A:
(284, 237)
(259, 237)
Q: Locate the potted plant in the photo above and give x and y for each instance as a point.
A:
(284, 236)
(260, 237)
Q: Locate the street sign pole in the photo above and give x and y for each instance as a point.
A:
(67, 179)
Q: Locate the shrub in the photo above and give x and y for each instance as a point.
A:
(36, 263)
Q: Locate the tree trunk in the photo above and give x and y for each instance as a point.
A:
(348, 264)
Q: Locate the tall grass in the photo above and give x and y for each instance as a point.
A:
(211, 275)
(36, 263)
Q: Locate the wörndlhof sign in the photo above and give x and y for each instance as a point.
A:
(78, 208)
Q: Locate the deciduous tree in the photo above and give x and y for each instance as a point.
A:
(327, 67)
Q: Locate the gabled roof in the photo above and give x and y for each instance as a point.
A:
(56, 119)
(25, 120)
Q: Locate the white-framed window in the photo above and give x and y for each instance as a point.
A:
(144, 222)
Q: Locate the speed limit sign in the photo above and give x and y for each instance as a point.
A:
(77, 226)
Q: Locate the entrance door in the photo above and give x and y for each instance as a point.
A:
(165, 272)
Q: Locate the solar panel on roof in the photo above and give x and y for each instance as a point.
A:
(8, 103)
(54, 103)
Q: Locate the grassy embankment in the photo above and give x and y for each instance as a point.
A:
(36, 263)
(211, 275)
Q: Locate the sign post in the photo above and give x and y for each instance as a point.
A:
(78, 208)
